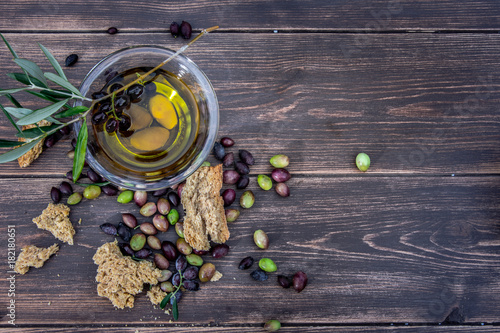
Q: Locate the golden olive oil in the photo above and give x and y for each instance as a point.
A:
(157, 130)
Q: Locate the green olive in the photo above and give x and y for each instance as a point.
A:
(363, 161)
(125, 197)
(91, 192)
(267, 265)
(265, 182)
(173, 216)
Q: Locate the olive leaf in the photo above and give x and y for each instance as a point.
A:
(53, 62)
(18, 112)
(24, 79)
(12, 122)
(175, 311)
(32, 69)
(12, 91)
(165, 300)
(14, 101)
(42, 113)
(71, 111)
(14, 54)
(36, 131)
(9, 143)
(80, 149)
(45, 97)
(18, 152)
(62, 82)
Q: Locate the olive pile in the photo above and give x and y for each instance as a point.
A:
(238, 176)
(266, 265)
(279, 174)
(141, 241)
(109, 112)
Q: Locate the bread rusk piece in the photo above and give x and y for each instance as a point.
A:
(205, 216)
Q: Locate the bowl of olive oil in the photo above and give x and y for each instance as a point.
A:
(148, 128)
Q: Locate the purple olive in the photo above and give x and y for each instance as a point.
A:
(241, 168)
(129, 220)
(124, 232)
(94, 176)
(200, 252)
(108, 229)
(228, 160)
(143, 253)
(65, 188)
(228, 196)
(181, 263)
(227, 141)
(163, 206)
(161, 262)
(282, 189)
(299, 281)
(280, 175)
(243, 182)
(220, 250)
(190, 273)
(246, 157)
(109, 190)
(180, 187)
(112, 30)
(246, 263)
(135, 92)
(191, 285)
(126, 249)
(284, 281)
(140, 198)
(169, 250)
(160, 193)
(230, 177)
(186, 30)
(55, 194)
(174, 29)
(148, 228)
(176, 280)
(173, 198)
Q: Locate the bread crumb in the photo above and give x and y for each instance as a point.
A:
(156, 295)
(55, 219)
(120, 278)
(217, 276)
(80, 221)
(49, 303)
(205, 215)
(32, 256)
(32, 154)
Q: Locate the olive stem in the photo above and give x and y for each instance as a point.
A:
(143, 76)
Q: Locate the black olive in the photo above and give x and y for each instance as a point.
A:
(174, 29)
(71, 60)
(186, 30)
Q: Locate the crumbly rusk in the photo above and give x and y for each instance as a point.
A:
(204, 206)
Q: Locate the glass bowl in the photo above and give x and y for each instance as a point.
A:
(173, 171)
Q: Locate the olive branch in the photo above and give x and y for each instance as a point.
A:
(36, 82)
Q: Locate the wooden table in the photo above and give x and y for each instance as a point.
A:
(411, 245)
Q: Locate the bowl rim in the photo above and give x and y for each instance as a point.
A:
(136, 184)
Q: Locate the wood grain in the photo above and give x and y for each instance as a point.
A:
(241, 329)
(376, 250)
(417, 104)
(307, 15)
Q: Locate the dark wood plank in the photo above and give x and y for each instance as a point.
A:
(156, 15)
(284, 328)
(417, 104)
(377, 250)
